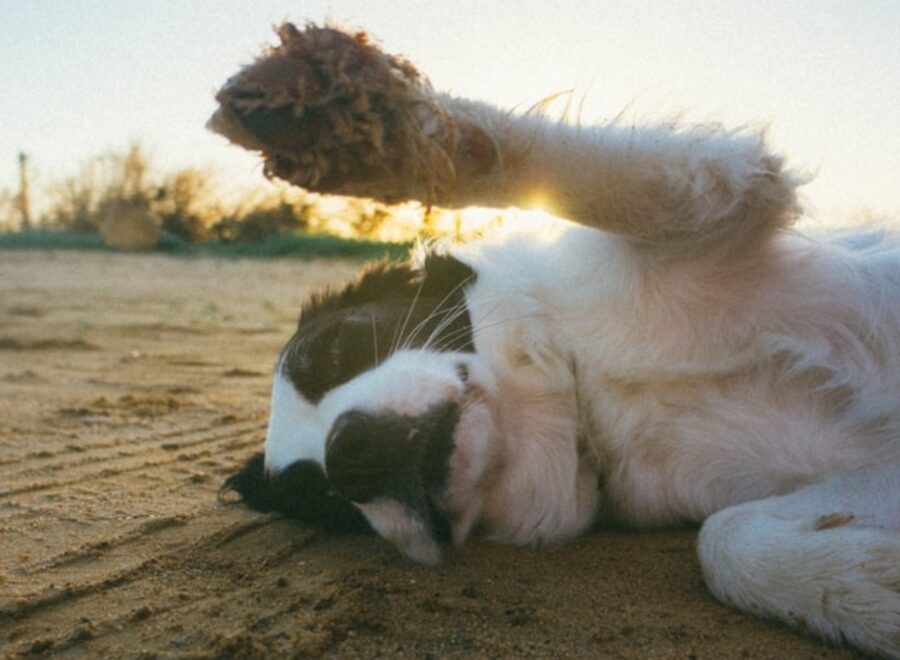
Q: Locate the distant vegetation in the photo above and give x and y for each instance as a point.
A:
(119, 200)
(296, 244)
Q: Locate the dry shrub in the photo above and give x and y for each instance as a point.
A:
(111, 193)
(9, 212)
(130, 226)
(185, 203)
(263, 221)
(81, 202)
(369, 222)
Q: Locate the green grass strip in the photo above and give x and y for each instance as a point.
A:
(298, 245)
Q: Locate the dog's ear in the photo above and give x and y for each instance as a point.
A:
(300, 491)
(250, 483)
(446, 280)
(445, 274)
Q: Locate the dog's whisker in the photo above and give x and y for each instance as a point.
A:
(449, 318)
(408, 341)
(375, 339)
(412, 306)
(451, 337)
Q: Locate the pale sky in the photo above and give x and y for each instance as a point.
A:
(80, 77)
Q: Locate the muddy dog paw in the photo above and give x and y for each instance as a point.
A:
(331, 112)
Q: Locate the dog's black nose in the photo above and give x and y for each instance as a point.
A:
(367, 455)
(370, 455)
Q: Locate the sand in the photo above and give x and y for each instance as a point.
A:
(131, 386)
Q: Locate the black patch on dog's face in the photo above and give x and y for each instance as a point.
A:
(389, 306)
(406, 459)
(300, 491)
(340, 335)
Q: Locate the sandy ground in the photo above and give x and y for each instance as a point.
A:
(131, 386)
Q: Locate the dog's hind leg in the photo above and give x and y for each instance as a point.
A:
(826, 558)
(331, 112)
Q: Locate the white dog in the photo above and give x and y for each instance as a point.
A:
(684, 356)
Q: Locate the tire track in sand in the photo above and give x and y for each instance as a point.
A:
(180, 476)
(18, 482)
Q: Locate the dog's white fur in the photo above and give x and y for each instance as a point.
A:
(707, 361)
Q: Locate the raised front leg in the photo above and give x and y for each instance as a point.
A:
(333, 113)
(825, 559)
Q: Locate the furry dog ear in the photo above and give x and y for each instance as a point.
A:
(300, 491)
(444, 273)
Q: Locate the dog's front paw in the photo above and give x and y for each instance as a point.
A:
(331, 112)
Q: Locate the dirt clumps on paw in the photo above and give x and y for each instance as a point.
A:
(331, 112)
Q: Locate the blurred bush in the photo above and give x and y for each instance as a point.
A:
(122, 197)
(261, 222)
(9, 219)
(185, 202)
(83, 202)
(118, 194)
(130, 225)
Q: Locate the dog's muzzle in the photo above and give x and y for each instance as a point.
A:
(383, 456)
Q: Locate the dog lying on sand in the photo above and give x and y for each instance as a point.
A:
(677, 354)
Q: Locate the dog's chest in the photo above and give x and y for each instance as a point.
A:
(686, 408)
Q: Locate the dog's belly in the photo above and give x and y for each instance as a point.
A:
(678, 451)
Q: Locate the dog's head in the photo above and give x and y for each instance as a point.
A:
(380, 407)
(385, 417)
